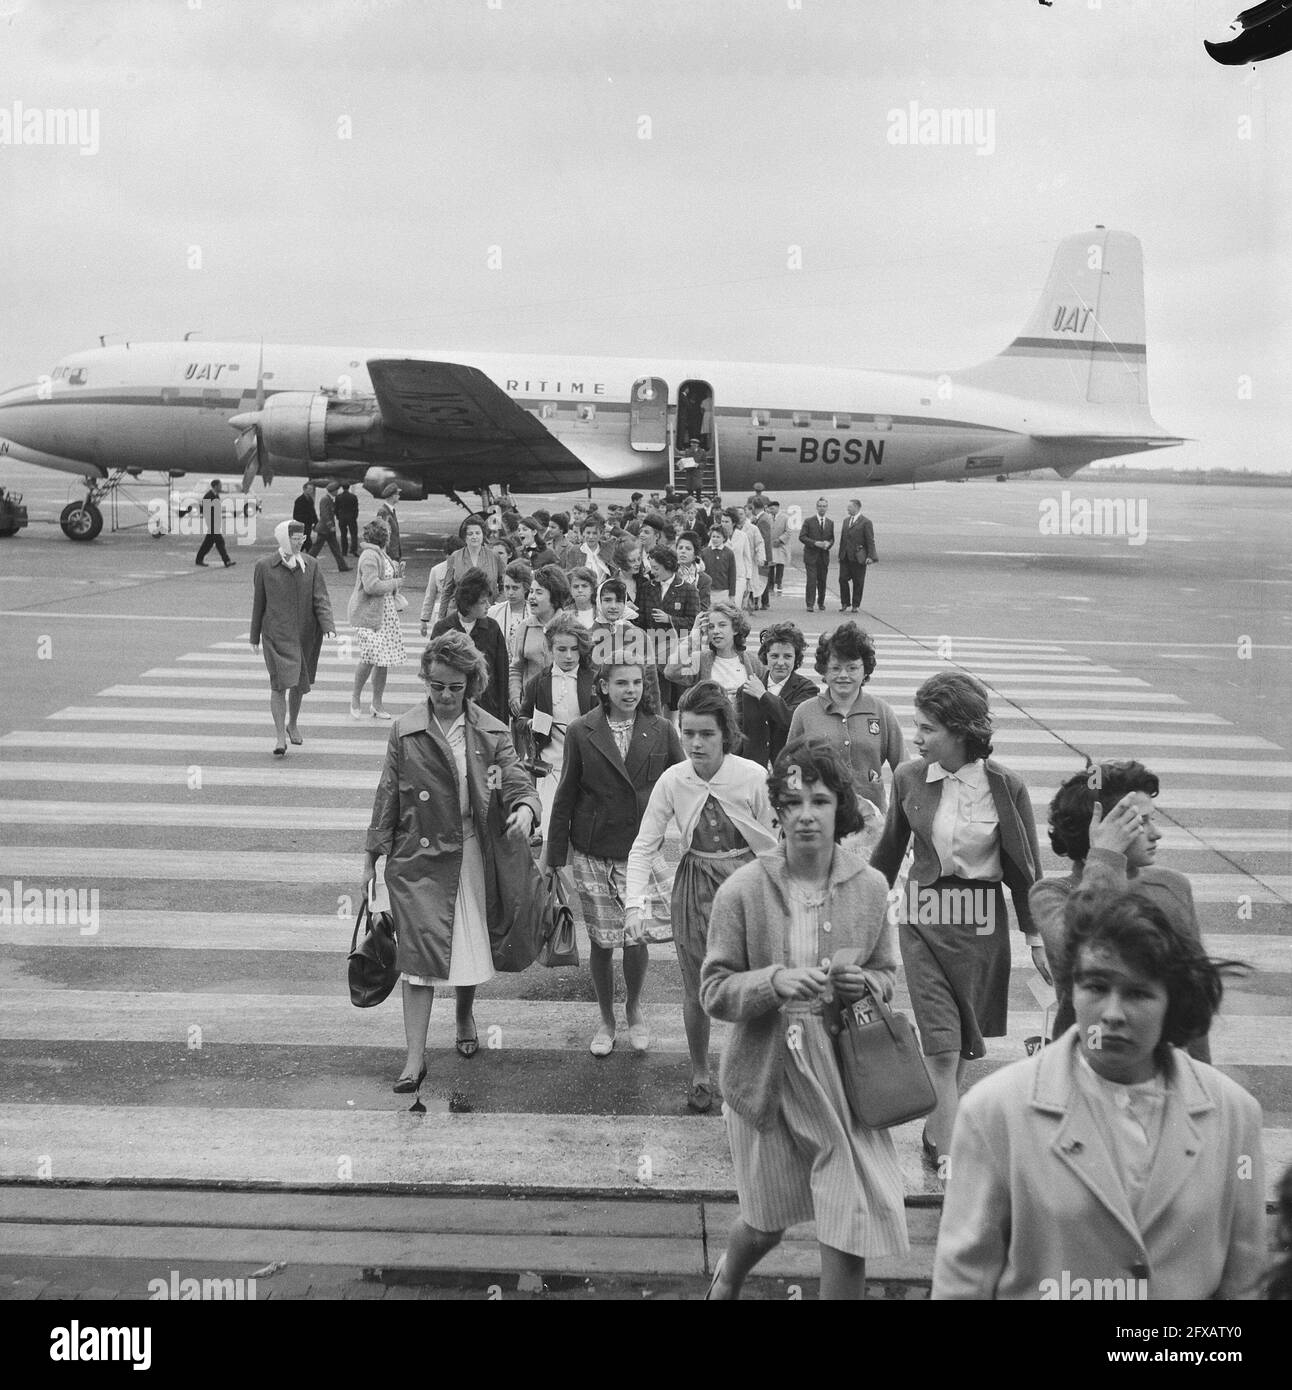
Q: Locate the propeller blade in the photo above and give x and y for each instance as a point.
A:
(249, 455)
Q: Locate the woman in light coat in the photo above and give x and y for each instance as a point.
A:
(798, 1153)
(445, 760)
(1111, 1165)
(374, 614)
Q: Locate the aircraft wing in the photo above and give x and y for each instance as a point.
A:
(455, 405)
(1131, 441)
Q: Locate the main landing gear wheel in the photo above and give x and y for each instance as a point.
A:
(81, 521)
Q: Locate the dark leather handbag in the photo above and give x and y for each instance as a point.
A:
(560, 947)
(372, 969)
(883, 1070)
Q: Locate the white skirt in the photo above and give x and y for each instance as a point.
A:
(470, 955)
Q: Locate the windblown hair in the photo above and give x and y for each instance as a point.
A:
(521, 573)
(706, 698)
(458, 651)
(607, 668)
(815, 760)
(782, 632)
(739, 623)
(847, 642)
(567, 625)
(376, 532)
(1074, 802)
(959, 704)
(1141, 933)
(474, 585)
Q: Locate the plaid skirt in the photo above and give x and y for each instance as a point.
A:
(600, 884)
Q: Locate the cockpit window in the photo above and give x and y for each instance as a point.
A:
(76, 376)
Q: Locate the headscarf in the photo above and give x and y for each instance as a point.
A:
(283, 535)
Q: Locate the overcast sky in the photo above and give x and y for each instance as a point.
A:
(643, 167)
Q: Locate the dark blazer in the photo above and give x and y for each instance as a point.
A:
(486, 636)
(537, 694)
(755, 715)
(780, 710)
(601, 798)
(417, 825)
(816, 529)
(857, 539)
(347, 506)
(911, 811)
(543, 555)
(681, 604)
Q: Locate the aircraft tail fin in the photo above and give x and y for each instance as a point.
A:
(1084, 343)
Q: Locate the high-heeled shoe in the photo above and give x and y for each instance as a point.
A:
(294, 736)
(406, 1085)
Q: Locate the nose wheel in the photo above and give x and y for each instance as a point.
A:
(81, 521)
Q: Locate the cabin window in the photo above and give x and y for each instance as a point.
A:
(883, 422)
(843, 422)
(800, 419)
(586, 413)
(212, 397)
(547, 411)
(762, 418)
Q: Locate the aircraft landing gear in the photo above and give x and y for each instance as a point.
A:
(81, 521)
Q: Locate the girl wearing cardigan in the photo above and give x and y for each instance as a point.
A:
(798, 1153)
(374, 614)
(974, 831)
(720, 806)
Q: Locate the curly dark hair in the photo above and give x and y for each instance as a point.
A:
(1074, 802)
(1143, 935)
(706, 698)
(521, 573)
(847, 642)
(553, 579)
(475, 519)
(959, 704)
(812, 760)
(666, 556)
(782, 632)
(474, 585)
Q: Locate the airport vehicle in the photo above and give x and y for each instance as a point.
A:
(1071, 388)
(13, 515)
(1264, 31)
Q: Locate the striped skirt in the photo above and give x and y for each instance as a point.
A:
(814, 1162)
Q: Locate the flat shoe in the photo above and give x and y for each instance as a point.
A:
(280, 752)
(639, 1036)
(382, 714)
(700, 1098)
(294, 735)
(602, 1044)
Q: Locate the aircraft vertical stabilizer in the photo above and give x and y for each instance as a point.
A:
(1084, 343)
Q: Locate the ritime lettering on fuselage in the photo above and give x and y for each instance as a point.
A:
(541, 386)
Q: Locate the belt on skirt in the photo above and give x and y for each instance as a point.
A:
(721, 854)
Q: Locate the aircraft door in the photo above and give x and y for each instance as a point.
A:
(648, 416)
(696, 421)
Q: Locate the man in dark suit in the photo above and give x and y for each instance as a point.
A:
(816, 536)
(327, 527)
(303, 511)
(212, 510)
(347, 519)
(386, 513)
(856, 551)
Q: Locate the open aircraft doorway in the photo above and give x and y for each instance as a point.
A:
(695, 423)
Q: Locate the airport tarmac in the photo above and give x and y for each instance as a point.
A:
(201, 1038)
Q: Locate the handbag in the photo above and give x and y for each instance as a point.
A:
(371, 965)
(884, 1075)
(560, 946)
